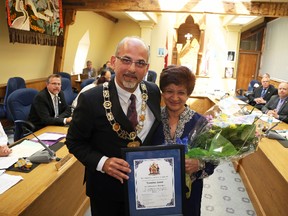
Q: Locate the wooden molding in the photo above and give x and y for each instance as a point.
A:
(107, 16)
(272, 9)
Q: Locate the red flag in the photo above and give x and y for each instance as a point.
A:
(166, 55)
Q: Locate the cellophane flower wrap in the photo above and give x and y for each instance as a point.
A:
(227, 135)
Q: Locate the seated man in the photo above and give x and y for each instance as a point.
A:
(89, 71)
(4, 149)
(49, 106)
(262, 94)
(277, 106)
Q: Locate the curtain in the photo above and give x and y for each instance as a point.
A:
(35, 21)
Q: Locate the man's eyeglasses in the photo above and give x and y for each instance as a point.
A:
(55, 84)
(128, 61)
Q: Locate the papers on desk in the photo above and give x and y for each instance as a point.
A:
(24, 149)
(7, 181)
(240, 102)
(264, 117)
(50, 138)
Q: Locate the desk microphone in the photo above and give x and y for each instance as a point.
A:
(224, 96)
(269, 129)
(42, 156)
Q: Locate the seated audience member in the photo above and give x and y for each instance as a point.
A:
(151, 76)
(105, 76)
(262, 94)
(4, 149)
(277, 106)
(89, 71)
(49, 106)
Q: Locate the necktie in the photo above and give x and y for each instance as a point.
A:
(56, 110)
(132, 113)
(263, 92)
(279, 105)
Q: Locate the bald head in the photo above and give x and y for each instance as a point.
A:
(131, 41)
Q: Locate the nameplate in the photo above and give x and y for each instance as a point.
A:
(63, 161)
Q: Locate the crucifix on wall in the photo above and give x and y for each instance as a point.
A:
(188, 36)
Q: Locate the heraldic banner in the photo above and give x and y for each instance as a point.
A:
(35, 21)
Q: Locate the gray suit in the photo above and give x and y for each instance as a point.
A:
(272, 104)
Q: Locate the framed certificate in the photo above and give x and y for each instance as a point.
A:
(156, 182)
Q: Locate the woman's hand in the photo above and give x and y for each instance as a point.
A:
(191, 166)
(5, 151)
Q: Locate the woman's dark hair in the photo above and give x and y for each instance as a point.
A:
(177, 75)
(101, 80)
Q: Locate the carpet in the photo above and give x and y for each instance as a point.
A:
(224, 194)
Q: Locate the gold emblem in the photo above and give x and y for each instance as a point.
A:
(116, 127)
(133, 144)
(107, 104)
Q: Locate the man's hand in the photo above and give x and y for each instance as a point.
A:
(68, 120)
(117, 168)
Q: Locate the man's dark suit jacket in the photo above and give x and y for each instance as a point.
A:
(151, 76)
(90, 137)
(42, 110)
(272, 104)
(257, 94)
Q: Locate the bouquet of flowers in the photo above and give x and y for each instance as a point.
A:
(226, 135)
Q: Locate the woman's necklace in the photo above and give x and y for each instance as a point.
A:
(115, 125)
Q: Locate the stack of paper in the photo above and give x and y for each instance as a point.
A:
(50, 138)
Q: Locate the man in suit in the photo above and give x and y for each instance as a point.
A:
(101, 126)
(262, 94)
(89, 71)
(277, 106)
(49, 105)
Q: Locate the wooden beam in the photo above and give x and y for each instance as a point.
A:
(108, 16)
(270, 9)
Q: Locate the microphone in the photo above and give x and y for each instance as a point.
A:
(269, 129)
(59, 99)
(252, 110)
(224, 96)
(43, 156)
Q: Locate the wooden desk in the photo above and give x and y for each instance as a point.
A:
(46, 191)
(265, 176)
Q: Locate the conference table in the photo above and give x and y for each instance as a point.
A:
(264, 172)
(46, 190)
(265, 176)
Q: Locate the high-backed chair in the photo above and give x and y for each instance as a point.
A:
(151, 76)
(242, 94)
(12, 84)
(86, 82)
(66, 87)
(64, 75)
(19, 103)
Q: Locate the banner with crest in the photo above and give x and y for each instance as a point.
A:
(35, 21)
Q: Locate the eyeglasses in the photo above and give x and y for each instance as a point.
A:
(128, 61)
(55, 84)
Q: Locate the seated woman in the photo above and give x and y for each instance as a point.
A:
(176, 84)
(4, 149)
